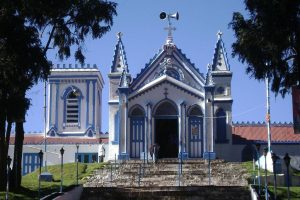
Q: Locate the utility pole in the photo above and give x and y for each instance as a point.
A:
(268, 116)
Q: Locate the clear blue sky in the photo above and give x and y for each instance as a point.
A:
(144, 34)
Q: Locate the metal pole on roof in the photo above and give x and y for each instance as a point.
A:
(268, 116)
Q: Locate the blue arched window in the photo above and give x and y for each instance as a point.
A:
(117, 128)
(137, 131)
(72, 104)
(221, 126)
(195, 132)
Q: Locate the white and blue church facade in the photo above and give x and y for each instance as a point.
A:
(170, 103)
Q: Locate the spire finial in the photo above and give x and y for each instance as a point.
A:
(170, 28)
(219, 34)
(119, 35)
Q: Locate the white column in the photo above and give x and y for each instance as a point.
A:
(149, 126)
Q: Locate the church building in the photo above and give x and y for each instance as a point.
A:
(170, 103)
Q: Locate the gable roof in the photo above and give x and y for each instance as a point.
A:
(159, 56)
(257, 133)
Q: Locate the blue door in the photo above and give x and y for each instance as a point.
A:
(31, 162)
(137, 130)
(195, 137)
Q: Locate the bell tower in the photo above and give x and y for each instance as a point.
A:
(116, 79)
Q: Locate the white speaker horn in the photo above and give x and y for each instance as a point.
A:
(175, 15)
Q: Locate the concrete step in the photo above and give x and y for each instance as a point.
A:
(176, 193)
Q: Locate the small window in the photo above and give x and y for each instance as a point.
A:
(173, 73)
(86, 157)
(220, 90)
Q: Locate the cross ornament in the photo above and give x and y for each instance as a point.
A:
(166, 93)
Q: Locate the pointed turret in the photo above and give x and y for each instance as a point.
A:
(209, 80)
(220, 62)
(124, 80)
(119, 61)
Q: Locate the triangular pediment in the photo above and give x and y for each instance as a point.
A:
(169, 80)
(169, 61)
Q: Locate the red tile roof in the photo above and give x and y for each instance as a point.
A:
(280, 133)
(39, 139)
(241, 133)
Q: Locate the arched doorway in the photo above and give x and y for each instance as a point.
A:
(166, 129)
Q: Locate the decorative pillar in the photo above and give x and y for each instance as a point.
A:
(87, 102)
(179, 130)
(56, 104)
(149, 127)
(123, 127)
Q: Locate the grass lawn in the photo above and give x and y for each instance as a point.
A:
(282, 193)
(248, 165)
(30, 183)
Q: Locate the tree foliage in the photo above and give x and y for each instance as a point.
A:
(28, 29)
(269, 41)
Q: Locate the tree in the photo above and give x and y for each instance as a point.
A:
(269, 41)
(23, 55)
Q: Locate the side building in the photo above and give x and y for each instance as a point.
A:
(73, 119)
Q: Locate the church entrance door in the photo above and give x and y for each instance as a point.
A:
(166, 135)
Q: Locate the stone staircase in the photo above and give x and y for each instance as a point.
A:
(137, 179)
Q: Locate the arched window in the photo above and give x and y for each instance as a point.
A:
(117, 127)
(72, 110)
(221, 126)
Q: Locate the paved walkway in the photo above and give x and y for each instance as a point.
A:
(73, 194)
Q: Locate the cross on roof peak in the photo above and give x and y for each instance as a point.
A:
(169, 28)
(119, 35)
(219, 34)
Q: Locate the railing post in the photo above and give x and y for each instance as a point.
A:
(111, 175)
(209, 171)
(139, 174)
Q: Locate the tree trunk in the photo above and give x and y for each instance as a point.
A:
(16, 174)
(3, 156)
